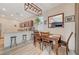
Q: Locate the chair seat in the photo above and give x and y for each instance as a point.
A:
(63, 43)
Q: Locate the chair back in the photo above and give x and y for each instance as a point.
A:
(36, 35)
(69, 37)
(45, 36)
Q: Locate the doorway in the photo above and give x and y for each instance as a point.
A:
(77, 28)
(1, 39)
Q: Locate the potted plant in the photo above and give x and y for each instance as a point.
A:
(37, 23)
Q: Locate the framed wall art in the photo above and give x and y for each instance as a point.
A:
(56, 21)
(70, 18)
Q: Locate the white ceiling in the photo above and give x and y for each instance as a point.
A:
(16, 10)
(47, 6)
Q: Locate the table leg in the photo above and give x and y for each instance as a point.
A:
(11, 43)
(34, 42)
(49, 48)
(56, 47)
(42, 45)
(56, 51)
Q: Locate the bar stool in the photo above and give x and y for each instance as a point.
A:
(13, 38)
(24, 37)
(32, 36)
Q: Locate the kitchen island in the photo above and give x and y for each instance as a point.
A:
(19, 38)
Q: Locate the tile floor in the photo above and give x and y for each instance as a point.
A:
(28, 48)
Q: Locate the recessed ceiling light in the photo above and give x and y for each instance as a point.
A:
(3, 9)
(21, 14)
(16, 18)
(12, 15)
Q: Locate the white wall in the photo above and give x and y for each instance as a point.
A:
(8, 25)
(68, 28)
(68, 9)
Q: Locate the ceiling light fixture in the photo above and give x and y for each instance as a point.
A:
(16, 18)
(3, 9)
(12, 15)
(31, 7)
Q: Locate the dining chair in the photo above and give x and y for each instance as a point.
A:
(45, 40)
(37, 38)
(65, 43)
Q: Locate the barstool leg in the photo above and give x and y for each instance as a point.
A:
(24, 38)
(15, 42)
(11, 43)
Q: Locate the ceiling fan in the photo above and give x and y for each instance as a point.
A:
(31, 7)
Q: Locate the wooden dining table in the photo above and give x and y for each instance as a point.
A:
(54, 38)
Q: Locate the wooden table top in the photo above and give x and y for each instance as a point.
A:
(54, 37)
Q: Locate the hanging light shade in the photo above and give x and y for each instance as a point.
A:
(30, 7)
